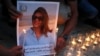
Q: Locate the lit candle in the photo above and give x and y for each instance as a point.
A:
(80, 40)
(93, 36)
(83, 47)
(87, 39)
(24, 30)
(56, 29)
(73, 42)
(98, 35)
(98, 39)
(78, 53)
(69, 54)
(71, 48)
(95, 43)
(87, 44)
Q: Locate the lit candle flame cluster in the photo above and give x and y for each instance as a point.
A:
(82, 42)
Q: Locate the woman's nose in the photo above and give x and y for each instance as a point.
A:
(36, 19)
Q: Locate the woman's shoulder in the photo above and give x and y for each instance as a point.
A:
(50, 34)
(29, 30)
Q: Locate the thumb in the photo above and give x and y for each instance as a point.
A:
(17, 48)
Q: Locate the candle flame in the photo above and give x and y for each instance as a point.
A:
(97, 34)
(79, 52)
(73, 42)
(24, 30)
(87, 44)
(79, 40)
(93, 36)
(57, 29)
(83, 47)
(95, 42)
(69, 54)
(71, 48)
(87, 39)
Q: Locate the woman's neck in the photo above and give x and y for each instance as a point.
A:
(37, 32)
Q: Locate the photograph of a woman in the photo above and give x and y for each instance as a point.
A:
(36, 30)
(40, 33)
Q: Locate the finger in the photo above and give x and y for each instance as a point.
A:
(60, 42)
(16, 48)
(20, 52)
(13, 17)
(15, 14)
(19, 47)
(14, 10)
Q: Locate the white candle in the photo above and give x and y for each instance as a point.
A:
(87, 44)
(79, 40)
(73, 42)
(78, 53)
(56, 29)
(98, 39)
(87, 39)
(98, 35)
(83, 47)
(93, 36)
(24, 30)
(69, 54)
(71, 48)
(95, 42)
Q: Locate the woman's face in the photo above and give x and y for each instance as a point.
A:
(37, 20)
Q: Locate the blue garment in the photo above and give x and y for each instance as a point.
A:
(29, 39)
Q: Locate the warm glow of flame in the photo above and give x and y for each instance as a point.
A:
(71, 48)
(87, 44)
(95, 42)
(78, 53)
(83, 47)
(97, 35)
(73, 42)
(24, 30)
(99, 40)
(57, 29)
(93, 36)
(69, 54)
(79, 40)
(87, 39)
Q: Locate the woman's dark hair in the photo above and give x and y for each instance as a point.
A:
(45, 19)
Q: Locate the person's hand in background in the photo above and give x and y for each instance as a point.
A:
(61, 43)
(13, 12)
(14, 51)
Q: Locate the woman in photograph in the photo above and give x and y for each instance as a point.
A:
(39, 33)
